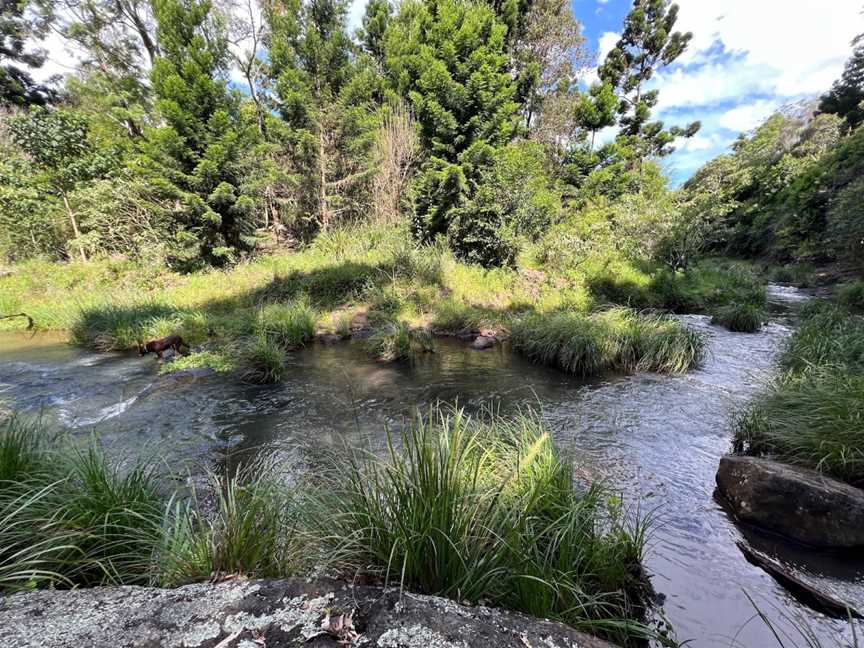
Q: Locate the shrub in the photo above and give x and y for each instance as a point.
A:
(742, 318)
(485, 510)
(615, 340)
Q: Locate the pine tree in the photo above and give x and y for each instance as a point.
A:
(450, 59)
(596, 110)
(194, 156)
(647, 44)
(20, 22)
(846, 97)
(324, 97)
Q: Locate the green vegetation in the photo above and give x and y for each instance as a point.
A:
(614, 340)
(476, 509)
(744, 318)
(812, 415)
(263, 360)
(398, 341)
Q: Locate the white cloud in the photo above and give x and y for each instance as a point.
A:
(606, 43)
(800, 45)
(749, 116)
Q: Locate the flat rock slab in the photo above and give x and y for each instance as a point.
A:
(271, 613)
(799, 503)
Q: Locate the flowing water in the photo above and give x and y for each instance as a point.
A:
(655, 438)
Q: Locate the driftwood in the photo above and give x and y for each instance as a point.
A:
(29, 319)
(804, 592)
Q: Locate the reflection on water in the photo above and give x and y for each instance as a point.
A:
(657, 438)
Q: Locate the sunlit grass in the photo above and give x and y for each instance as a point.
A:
(614, 340)
(485, 510)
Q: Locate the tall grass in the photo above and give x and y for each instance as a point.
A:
(252, 529)
(614, 340)
(263, 361)
(815, 420)
(740, 318)
(813, 415)
(485, 510)
(290, 325)
(394, 341)
(79, 520)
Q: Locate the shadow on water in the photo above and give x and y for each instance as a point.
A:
(658, 438)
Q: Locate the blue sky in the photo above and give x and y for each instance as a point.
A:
(747, 58)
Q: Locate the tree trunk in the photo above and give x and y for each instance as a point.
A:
(74, 227)
(322, 190)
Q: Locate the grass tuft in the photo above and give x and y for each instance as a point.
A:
(290, 325)
(485, 510)
(263, 361)
(614, 340)
(740, 318)
(395, 341)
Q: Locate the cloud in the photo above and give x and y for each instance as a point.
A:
(356, 9)
(606, 44)
(749, 116)
(746, 59)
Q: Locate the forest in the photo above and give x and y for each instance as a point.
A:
(261, 180)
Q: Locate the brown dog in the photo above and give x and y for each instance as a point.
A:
(174, 342)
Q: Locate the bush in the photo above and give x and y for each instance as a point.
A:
(741, 318)
(485, 510)
(615, 340)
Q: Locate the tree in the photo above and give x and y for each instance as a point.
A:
(450, 59)
(647, 43)
(547, 52)
(328, 100)
(846, 97)
(596, 109)
(194, 157)
(56, 141)
(21, 21)
(375, 21)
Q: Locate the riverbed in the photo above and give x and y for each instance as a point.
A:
(657, 439)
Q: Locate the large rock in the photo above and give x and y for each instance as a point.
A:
(272, 613)
(799, 503)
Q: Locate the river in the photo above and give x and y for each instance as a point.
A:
(657, 439)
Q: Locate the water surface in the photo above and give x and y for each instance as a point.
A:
(656, 438)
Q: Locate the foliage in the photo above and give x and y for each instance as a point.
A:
(847, 94)
(263, 361)
(485, 510)
(613, 340)
(290, 325)
(647, 42)
(22, 21)
(741, 318)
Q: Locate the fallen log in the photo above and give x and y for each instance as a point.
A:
(801, 590)
(29, 319)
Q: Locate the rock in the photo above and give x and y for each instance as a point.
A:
(329, 338)
(483, 342)
(799, 588)
(275, 613)
(799, 503)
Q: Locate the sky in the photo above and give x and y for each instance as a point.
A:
(747, 59)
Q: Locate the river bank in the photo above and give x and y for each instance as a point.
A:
(626, 431)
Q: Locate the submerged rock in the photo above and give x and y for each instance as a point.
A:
(275, 613)
(483, 342)
(799, 503)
